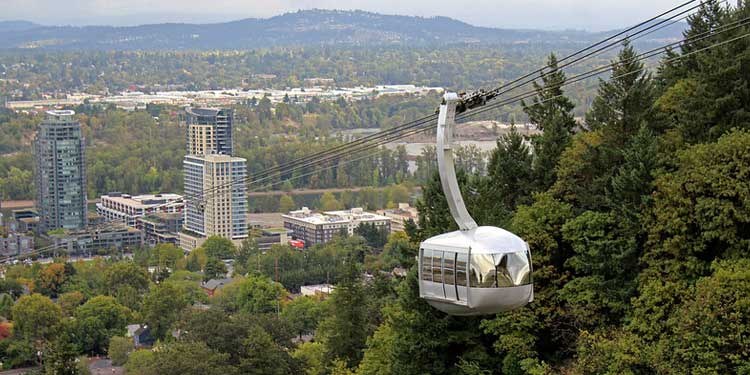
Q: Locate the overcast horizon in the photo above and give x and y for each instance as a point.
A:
(531, 14)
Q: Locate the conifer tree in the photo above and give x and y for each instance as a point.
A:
(633, 180)
(509, 181)
(344, 331)
(619, 110)
(622, 102)
(551, 112)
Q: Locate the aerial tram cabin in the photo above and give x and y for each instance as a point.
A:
(474, 270)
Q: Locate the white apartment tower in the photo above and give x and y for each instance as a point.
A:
(214, 181)
(222, 211)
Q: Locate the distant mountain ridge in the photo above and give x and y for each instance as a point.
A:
(302, 28)
(17, 25)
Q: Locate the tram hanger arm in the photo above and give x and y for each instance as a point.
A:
(467, 101)
(446, 167)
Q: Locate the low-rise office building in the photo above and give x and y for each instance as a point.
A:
(317, 228)
(319, 290)
(127, 209)
(273, 236)
(399, 216)
(22, 221)
(95, 219)
(189, 241)
(161, 227)
(24, 213)
(27, 224)
(90, 241)
(14, 244)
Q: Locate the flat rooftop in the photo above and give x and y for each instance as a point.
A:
(318, 218)
(334, 217)
(141, 201)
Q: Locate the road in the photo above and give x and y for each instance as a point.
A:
(311, 191)
(103, 366)
(74, 258)
(14, 205)
(98, 366)
(18, 371)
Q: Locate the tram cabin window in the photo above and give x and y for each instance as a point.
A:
(461, 265)
(437, 264)
(445, 267)
(449, 267)
(500, 270)
(427, 265)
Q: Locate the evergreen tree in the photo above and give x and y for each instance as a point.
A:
(707, 19)
(417, 339)
(375, 236)
(551, 112)
(192, 264)
(344, 332)
(709, 90)
(619, 110)
(605, 264)
(60, 357)
(434, 214)
(509, 181)
(542, 330)
(622, 103)
(633, 181)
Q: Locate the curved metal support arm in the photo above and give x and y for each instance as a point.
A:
(446, 122)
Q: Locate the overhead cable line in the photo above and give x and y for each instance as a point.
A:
(531, 74)
(480, 97)
(387, 138)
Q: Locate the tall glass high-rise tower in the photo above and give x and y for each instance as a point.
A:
(209, 131)
(60, 172)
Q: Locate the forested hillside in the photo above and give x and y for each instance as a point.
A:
(301, 28)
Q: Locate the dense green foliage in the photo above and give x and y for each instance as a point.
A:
(638, 227)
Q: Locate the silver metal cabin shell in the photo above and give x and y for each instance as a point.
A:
(484, 270)
(475, 270)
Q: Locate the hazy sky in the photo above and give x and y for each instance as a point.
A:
(545, 14)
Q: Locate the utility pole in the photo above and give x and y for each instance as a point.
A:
(276, 270)
(276, 267)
